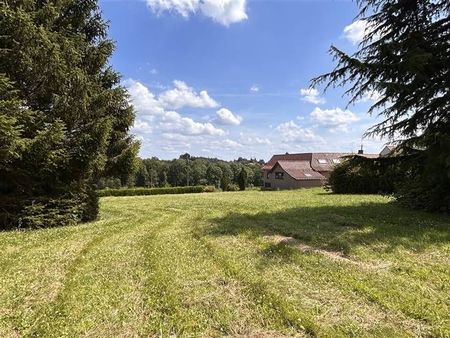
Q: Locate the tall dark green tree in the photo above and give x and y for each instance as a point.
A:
(242, 179)
(64, 118)
(405, 57)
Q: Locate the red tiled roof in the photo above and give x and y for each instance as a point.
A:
(309, 166)
(300, 170)
(287, 157)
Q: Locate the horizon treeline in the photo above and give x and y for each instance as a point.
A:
(189, 170)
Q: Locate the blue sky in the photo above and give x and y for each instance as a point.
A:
(230, 78)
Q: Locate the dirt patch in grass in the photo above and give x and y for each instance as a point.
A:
(338, 256)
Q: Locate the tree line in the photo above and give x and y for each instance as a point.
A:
(188, 170)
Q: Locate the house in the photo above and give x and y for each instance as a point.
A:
(305, 170)
(387, 150)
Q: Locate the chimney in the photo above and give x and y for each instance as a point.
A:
(361, 151)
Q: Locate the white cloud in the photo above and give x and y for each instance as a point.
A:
(182, 7)
(311, 95)
(258, 140)
(142, 127)
(292, 132)
(184, 96)
(174, 122)
(151, 108)
(225, 116)
(356, 31)
(254, 89)
(371, 96)
(143, 100)
(333, 117)
(224, 12)
(231, 144)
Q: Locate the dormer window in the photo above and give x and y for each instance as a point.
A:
(322, 161)
(336, 160)
(308, 175)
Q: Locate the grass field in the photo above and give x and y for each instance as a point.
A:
(252, 264)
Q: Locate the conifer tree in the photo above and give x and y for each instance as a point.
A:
(405, 59)
(64, 118)
(242, 179)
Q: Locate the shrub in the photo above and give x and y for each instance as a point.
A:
(417, 179)
(209, 188)
(360, 175)
(109, 183)
(43, 212)
(152, 191)
(233, 187)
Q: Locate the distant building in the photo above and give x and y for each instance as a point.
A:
(291, 171)
(387, 150)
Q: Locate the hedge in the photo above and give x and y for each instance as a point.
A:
(20, 212)
(154, 191)
(361, 175)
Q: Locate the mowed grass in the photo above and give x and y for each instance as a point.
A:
(251, 264)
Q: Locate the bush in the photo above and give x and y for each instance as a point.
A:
(418, 179)
(109, 183)
(427, 178)
(44, 212)
(209, 188)
(153, 191)
(233, 187)
(360, 175)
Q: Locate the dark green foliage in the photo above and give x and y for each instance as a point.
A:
(225, 182)
(428, 178)
(64, 118)
(142, 176)
(190, 170)
(242, 179)
(405, 57)
(233, 187)
(214, 175)
(177, 173)
(108, 182)
(361, 175)
(154, 191)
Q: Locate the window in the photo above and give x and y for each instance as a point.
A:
(279, 175)
(308, 175)
(267, 185)
(336, 160)
(322, 161)
(268, 176)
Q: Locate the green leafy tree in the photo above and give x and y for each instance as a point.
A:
(405, 59)
(153, 178)
(142, 176)
(242, 179)
(162, 179)
(64, 118)
(198, 172)
(225, 182)
(214, 175)
(177, 172)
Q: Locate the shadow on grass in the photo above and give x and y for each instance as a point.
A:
(386, 227)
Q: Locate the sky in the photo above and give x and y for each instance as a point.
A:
(231, 78)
